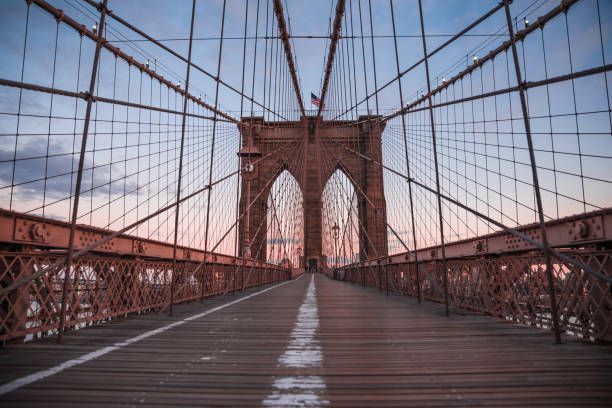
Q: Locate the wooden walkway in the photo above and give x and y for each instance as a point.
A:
(307, 343)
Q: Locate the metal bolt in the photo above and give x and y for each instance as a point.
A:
(582, 229)
(37, 232)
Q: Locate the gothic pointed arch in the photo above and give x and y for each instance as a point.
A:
(285, 220)
(311, 152)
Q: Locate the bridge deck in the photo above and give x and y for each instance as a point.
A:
(309, 344)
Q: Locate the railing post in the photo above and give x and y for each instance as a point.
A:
(379, 277)
(213, 281)
(242, 266)
(214, 132)
(204, 278)
(172, 278)
(435, 152)
(362, 275)
(418, 281)
(77, 188)
(399, 87)
(534, 174)
(387, 278)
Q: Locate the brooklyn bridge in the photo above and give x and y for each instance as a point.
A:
(323, 203)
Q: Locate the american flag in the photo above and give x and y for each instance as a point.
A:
(314, 100)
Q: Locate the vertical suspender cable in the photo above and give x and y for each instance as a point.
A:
(399, 86)
(212, 148)
(435, 152)
(534, 174)
(77, 188)
(180, 170)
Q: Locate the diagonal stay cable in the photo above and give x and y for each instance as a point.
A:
(268, 227)
(115, 234)
(416, 64)
(179, 56)
(208, 253)
(510, 230)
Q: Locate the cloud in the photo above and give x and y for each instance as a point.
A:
(61, 170)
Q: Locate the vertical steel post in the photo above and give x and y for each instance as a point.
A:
(399, 86)
(212, 148)
(335, 230)
(418, 282)
(362, 276)
(77, 188)
(534, 174)
(379, 276)
(180, 172)
(387, 279)
(435, 151)
(204, 273)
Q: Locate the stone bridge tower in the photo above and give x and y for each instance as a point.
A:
(320, 152)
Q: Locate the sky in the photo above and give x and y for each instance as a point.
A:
(57, 57)
(170, 21)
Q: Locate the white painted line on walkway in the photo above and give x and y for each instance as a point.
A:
(20, 382)
(302, 353)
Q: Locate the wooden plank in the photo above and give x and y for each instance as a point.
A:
(377, 351)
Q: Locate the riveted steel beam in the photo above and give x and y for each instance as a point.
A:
(504, 47)
(82, 30)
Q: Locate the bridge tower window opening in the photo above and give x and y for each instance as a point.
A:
(339, 209)
(285, 221)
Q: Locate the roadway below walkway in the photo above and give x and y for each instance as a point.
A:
(308, 342)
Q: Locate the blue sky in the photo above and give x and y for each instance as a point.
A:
(169, 21)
